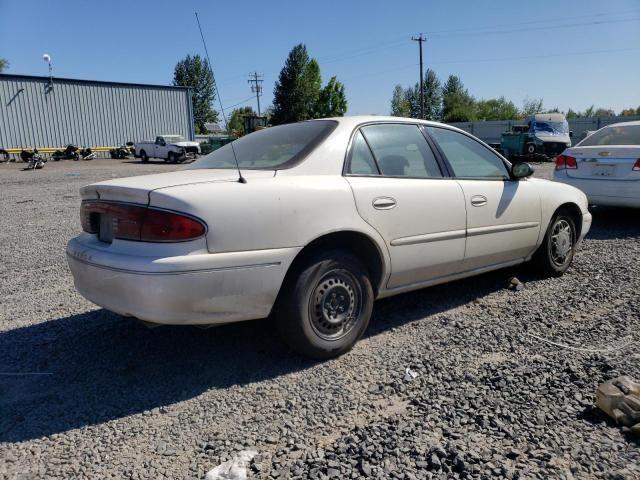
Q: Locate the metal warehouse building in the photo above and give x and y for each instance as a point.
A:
(43, 113)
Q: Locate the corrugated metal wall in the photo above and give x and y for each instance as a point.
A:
(491, 131)
(88, 113)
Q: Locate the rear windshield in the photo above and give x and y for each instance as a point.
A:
(621, 135)
(271, 148)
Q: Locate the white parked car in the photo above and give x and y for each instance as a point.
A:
(328, 215)
(605, 165)
(171, 148)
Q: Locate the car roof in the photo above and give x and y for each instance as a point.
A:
(356, 120)
(549, 117)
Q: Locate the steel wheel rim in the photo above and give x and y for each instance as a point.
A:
(335, 305)
(561, 245)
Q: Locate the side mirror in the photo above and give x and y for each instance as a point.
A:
(570, 134)
(521, 170)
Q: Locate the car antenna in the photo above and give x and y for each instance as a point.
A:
(241, 179)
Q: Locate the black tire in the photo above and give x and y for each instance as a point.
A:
(144, 158)
(531, 149)
(172, 157)
(555, 255)
(326, 306)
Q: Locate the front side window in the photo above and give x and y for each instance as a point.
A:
(619, 135)
(467, 157)
(401, 151)
(271, 148)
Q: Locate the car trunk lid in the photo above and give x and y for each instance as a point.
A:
(137, 189)
(604, 162)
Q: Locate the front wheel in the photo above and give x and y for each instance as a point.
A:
(172, 157)
(327, 306)
(531, 149)
(556, 252)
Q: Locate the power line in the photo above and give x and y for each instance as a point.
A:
(531, 29)
(239, 103)
(529, 22)
(498, 59)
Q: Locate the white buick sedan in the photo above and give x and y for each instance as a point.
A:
(605, 165)
(326, 216)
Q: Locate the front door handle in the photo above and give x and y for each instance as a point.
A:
(384, 203)
(478, 200)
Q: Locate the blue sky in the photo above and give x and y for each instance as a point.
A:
(571, 53)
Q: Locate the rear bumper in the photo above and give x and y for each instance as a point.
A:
(198, 289)
(616, 193)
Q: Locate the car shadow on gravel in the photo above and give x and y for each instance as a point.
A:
(614, 223)
(97, 366)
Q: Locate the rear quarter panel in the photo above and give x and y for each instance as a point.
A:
(279, 212)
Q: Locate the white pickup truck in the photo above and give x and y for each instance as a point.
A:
(171, 148)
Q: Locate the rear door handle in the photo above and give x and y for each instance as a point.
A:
(478, 200)
(384, 203)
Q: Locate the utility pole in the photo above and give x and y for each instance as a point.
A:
(255, 80)
(421, 39)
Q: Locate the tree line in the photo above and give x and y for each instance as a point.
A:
(298, 93)
(452, 102)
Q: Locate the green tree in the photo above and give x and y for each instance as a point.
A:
(432, 96)
(194, 72)
(235, 125)
(4, 64)
(531, 106)
(629, 112)
(297, 88)
(400, 104)
(311, 87)
(496, 109)
(332, 101)
(457, 104)
(604, 112)
(589, 112)
(572, 114)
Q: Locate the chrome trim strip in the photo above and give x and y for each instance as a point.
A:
(180, 272)
(428, 237)
(472, 232)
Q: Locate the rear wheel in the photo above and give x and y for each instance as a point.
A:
(556, 252)
(144, 158)
(326, 307)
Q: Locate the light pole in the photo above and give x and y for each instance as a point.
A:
(47, 59)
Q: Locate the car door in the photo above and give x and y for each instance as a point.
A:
(400, 191)
(160, 149)
(503, 214)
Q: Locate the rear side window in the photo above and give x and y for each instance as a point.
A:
(361, 161)
(401, 151)
(467, 157)
(621, 135)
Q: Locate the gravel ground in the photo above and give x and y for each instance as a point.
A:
(87, 394)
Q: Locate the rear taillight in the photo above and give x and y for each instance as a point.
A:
(566, 161)
(636, 166)
(131, 222)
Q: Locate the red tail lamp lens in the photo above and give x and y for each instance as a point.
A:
(636, 166)
(130, 222)
(566, 161)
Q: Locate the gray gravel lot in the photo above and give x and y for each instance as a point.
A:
(87, 394)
